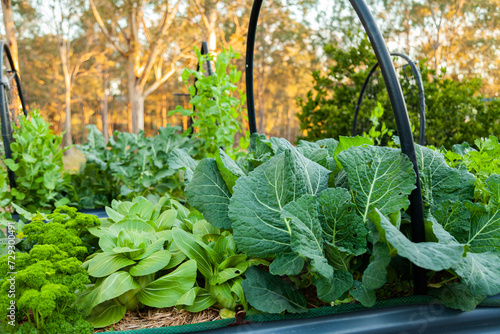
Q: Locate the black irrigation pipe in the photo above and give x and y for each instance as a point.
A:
(398, 106)
(421, 96)
(5, 120)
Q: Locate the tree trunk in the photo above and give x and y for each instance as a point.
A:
(136, 98)
(10, 30)
(68, 139)
(105, 107)
(260, 96)
(211, 16)
(63, 51)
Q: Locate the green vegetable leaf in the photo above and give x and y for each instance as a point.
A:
(106, 314)
(270, 294)
(484, 235)
(306, 238)
(480, 273)
(348, 142)
(104, 264)
(429, 255)
(259, 229)
(341, 224)
(208, 193)
(365, 296)
(455, 218)
(168, 289)
(379, 177)
(330, 291)
(287, 264)
(439, 181)
(196, 300)
(11, 164)
(374, 276)
(229, 170)
(188, 245)
(143, 209)
(151, 264)
(180, 159)
(202, 227)
(113, 286)
(457, 296)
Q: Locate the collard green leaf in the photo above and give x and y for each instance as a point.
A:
(493, 186)
(375, 275)
(379, 177)
(455, 218)
(484, 235)
(259, 197)
(180, 159)
(287, 264)
(321, 152)
(306, 238)
(363, 295)
(348, 142)
(208, 193)
(341, 224)
(330, 291)
(166, 290)
(429, 255)
(337, 258)
(229, 170)
(457, 296)
(440, 182)
(480, 273)
(268, 293)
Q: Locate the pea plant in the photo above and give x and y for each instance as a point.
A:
(219, 104)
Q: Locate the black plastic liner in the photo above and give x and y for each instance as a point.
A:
(417, 314)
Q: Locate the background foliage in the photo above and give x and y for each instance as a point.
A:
(455, 111)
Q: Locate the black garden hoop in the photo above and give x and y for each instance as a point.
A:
(11, 101)
(398, 106)
(420, 87)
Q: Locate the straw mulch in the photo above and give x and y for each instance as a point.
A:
(153, 318)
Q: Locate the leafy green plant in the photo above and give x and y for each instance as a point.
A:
(41, 183)
(378, 131)
(155, 252)
(130, 165)
(331, 215)
(455, 111)
(219, 104)
(48, 277)
(65, 228)
(482, 162)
